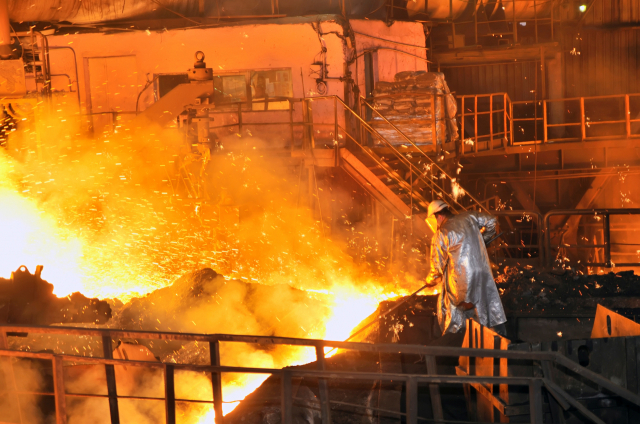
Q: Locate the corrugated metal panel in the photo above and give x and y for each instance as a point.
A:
(601, 62)
(518, 79)
(606, 12)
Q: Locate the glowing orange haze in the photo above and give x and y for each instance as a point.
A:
(81, 213)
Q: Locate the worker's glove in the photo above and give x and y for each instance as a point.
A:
(465, 306)
(434, 279)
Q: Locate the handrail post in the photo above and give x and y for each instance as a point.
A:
(335, 118)
(462, 125)
(169, 394)
(627, 113)
(216, 380)
(434, 124)
(434, 390)
(547, 240)
(511, 133)
(325, 406)
(505, 141)
(287, 398)
(544, 121)
(490, 121)
(535, 401)
(58, 389)
(111, 379)
(582, 120)
(541, 232)
(607, 240)
(412, 400)
(475, 123)
(291, 124)
(411, 195)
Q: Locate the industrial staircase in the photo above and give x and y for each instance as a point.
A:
(405, 182)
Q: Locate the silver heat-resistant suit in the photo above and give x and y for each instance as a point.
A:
(467, 277)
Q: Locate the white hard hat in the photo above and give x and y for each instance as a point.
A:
(435, 207)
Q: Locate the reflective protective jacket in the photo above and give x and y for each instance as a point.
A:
(467, 278)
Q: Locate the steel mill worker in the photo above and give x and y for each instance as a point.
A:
(460, 265)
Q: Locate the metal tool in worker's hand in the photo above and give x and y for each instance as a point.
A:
(415, 293)
(492, 239)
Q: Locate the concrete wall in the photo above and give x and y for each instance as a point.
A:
(121, 62)
(255, 46)
(228, 48)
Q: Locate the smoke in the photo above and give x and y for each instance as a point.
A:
(18, 378)
(110, 216)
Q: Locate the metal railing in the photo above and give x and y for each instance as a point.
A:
(604, 217)
(215, 369)
(443, 191)
(545, 121)
(500, 27)
(419, 185)
(494, 108)
(519, 250)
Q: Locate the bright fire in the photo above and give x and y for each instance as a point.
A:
(105, 218)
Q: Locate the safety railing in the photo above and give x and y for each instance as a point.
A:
(505, 29)
(324, 121)
(485, 121)
(513, 244)
(602, 252)
(437, 182)
(545, 121)
(215, 369)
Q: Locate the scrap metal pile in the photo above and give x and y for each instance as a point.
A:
(26, 298)
(525, 289)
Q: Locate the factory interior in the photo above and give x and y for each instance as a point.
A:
(319, 211)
